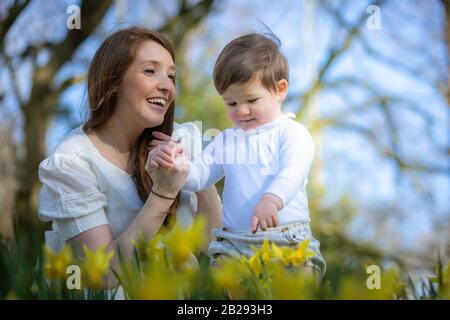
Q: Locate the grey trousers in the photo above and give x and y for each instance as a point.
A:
(233, 243)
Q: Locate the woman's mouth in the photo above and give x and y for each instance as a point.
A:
(157, 104)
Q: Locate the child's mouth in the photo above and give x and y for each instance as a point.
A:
(249, 120)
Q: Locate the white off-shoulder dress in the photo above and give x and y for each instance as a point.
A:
(82, 190)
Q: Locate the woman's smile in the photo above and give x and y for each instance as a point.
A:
(157, 103)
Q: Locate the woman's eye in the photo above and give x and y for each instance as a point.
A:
(253, 100)
(149, 71)
(171, 76)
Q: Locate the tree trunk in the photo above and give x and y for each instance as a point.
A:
(8, 182)
(41, 106)
(36, 123)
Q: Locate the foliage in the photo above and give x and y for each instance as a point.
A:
(171, 266)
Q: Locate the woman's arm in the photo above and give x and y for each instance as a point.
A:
(148, 221)
(209, 206)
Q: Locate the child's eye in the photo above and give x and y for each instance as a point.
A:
(253, 100)
(231, 104)
(171, 76)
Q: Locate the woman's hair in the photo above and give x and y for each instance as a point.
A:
(105, 75)
(248, 56)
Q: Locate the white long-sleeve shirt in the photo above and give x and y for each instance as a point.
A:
(274, 158)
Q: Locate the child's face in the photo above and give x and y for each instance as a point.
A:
(251, 105)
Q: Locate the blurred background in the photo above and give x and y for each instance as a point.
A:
(369, 79)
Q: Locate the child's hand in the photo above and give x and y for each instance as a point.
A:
(265, 214)
(163, 152)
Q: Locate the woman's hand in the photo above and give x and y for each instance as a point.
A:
(171, 169)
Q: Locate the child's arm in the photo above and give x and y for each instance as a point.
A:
(295, 160)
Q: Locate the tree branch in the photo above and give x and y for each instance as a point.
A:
(186, 19)
(14, 12)
(334, 54)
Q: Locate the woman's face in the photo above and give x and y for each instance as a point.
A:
(147, 87)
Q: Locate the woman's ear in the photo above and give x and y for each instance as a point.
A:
(282, 88)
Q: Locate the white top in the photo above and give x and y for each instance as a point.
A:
(82, 190)
(273, 158)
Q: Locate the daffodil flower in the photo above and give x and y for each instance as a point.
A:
(299, 256)
(56, 263)
(95, 266)
(181, 243)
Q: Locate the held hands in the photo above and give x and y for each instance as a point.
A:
(265, 214)
(167, 165)
(164, 152)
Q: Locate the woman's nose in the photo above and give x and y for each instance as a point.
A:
(166, 85)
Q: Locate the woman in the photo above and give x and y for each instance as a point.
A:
(96, 188)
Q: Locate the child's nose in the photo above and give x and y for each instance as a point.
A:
(244, 111)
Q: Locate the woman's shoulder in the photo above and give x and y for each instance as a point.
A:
(71, 152)
(76, 141)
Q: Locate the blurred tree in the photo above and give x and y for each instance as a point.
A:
(388, 136)
(41, 105)
(8, 181)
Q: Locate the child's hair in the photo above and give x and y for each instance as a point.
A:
(248, 56)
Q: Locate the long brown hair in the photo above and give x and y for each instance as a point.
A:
(105, 75)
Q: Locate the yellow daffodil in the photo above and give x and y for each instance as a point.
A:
(181, 242)
(226, 276)
(254, 262)
(293, 256)
(265, 251)
(149, 250)
(56, 263)
(95, 266)
(300, 254)
(282, 253)
(157, 283)
(292, 285)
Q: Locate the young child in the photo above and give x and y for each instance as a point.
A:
(265, 158)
